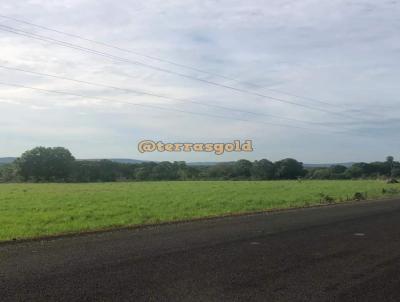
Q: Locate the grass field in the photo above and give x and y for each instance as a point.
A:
(29, 210)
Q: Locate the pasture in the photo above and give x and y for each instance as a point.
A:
(31, 210)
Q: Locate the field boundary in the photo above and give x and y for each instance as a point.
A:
(185, 221)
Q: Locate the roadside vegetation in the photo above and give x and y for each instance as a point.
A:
(58, 165)
(31, 210)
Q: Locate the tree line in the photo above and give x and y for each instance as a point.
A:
(58, 165)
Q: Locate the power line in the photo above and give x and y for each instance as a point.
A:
(143, 92)
(103, 54)
(163, 108)
(155, 107)
(173, 109)
(167, 61)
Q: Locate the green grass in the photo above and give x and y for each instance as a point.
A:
(30, 210)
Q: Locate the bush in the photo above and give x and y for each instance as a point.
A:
(359, 196)
(326, 198)
(390, 191)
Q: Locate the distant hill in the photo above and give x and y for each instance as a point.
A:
(206, 163)
(127, 160)
(118, 160)
(348, 164)
(137, 161)
(7, 160)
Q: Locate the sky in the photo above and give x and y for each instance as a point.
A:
(309, 79)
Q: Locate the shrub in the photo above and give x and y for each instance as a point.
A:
(359, 196)
(326, 198)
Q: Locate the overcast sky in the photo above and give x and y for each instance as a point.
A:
(340, 58)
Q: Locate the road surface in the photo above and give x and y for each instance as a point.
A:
(346, 252)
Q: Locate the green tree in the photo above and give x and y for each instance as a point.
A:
(7, 173)
(390, 162)
(337, 169)
(356, 171)
(164, 171)
(219, 171)
(320, 173)
(263, 169)
(242, 168)
(144, 171)
(395, 172)
(289, 168)
(45, 164)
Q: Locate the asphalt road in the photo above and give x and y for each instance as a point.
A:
(337, 253)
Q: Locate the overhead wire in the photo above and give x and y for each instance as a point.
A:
(163, 108)
(152, 57)
(113, 57)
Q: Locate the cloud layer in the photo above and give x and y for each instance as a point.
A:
(342, 57)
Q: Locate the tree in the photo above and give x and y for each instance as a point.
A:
(164, 171)
(289, 168)
(355, 171)
(389, 162)
(107, 170)
(320, 173)
(337, 169)
(219, 171)
(380, 168)
(395, 172)
(181, 170)
(242, 168)
(7, 173)
(144, 171)
(45, 164)
(263, 169)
